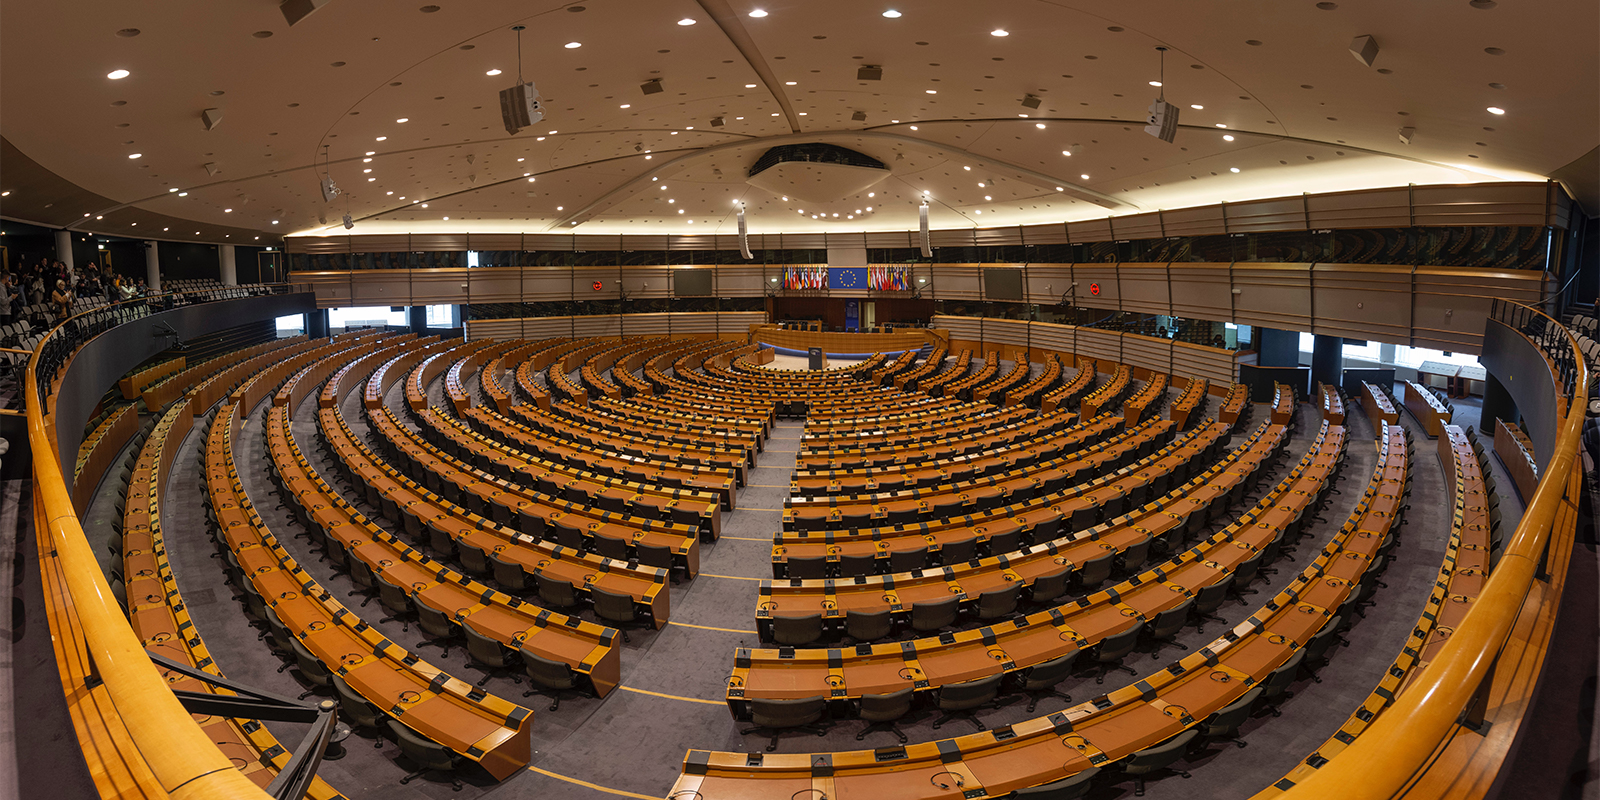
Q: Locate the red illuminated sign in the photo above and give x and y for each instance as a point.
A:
(1094, 289)
(598, 285)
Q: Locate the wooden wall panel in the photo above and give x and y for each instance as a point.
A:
(1201, 221)
(1196, 361)
(1450, 306)
(1362, 301)
(382, 288)
(957, 282)
(1274, 295)
(435, 286)
(1279, 214)
(1098, 344)
(1482, 204)
(643, 282)
(1047, 283)
(1087, 275)
(543, 284)
(1138, 226)
(584, 278)
(1147, 352)
(1053, 233)
(493, 329)
(744, 280)
(1375, 208)
(495, 285)
(436, 243)
(1201, 291)
(1090, 230)
(1144, 288)
(492, 241)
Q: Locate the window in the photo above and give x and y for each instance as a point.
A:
(1414, 356)
(291, 325)
(443, 316)
(1365, 352)
(366, 317)
(472, 261)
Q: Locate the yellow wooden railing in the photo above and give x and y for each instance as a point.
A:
(179, 757)
(1429, 743)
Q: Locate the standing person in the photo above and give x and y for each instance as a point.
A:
(62, 299)
(8, 295)
(36, 288)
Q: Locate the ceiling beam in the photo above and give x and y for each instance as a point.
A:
(728, 20)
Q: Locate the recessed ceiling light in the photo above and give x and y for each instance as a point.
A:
(561, 208)
(366, 161)
(624, 105)
(1227, 137)
(403, 120)
(869, 208)
(1233, 169)
(790, 83)
(530, 180)
(1060, 189)
(383, 138)
(539, 139)
(1085, 177)
(6, 193)
(493, 72)
(174, 189)
(686, 21)
(1039, 125)
(987, 197)
(424, 205)
(227, 211)
(749, 86)
(758, 13)
(183, 194)
(1496, 111)
(573, 45)
(136, 155)
(981, 184)
(1196, 106)
(999, 32)
(117, 74)
(368, 169)
(1220, 125)
(99, 217)
(446, 219)
(372, 152)
(1155, 83)
(931, 91)
(913, 127)
(273, 222)
(1066, 152)
(872, 194)
(168, 229)
(680, 211)
(892, 14)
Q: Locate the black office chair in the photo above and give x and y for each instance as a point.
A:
(931, 616)
(999, 603)
(1223, 726)
(907, 560)
(1155, 759)
(1096, 570)
(773, 717)
(787, 630)
(615, 608)
(1070, 788)
(852, 565)
(548, 676)
(1051, 585)
(511, 575)
(883, 711)
(354, 709)
(555, 592)
(437, 623)
(1040, 680)
(1208, 600)
(488, 654)
(959, 551)
(1275, 688)
(655, 555)
(866, 626)
(427, 755)
(808, 567)
(962, 700)
(1167, 624)
(1108, 655)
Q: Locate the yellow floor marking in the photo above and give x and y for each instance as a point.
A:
(748, 538)
(588, 785)
(729, 577)
(710, 628)
(766, 485)
(673, 696)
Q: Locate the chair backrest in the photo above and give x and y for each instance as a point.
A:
(1003, 543)
(959, 551)
(354, 708)
(1117, 645)
(433, 620)
(1160, 756)
(892, 705)
(787, 713)
(968, 693)
(852, 565)
(555, 591)
(1324, 639)
(867, 625)
(808, 567)
(546, 672)
(1095, 571)
(393, 596)
(1136, 553)
(797, 630)
(1228, 718)
(1211, 597)
(654, 555)
(1064, 789)
(421, 750)
(999, 602)
(1050, 586)
(483, 649)
(1169, 622)
(1279, 680)
(1050, 673)
(612, 606)
(934, 615)
(907, 560)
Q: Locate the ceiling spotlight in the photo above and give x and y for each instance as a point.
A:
(790, 83)
(372, 152)
(624, 105)
(931, 91)
(1155, 83)
(892, 14)
(1233, 169)
(1039, 125)
(999, 32)
(1196, 106)
(117, 74)
(183, 194)
(1060, 189)
(981, 184)
(274, 222)
(968, 169)
(136, 155)
(913, 127)
(403, 120)
(1496, 111)
(717, 122)
(573, 45)
(758, 13)
(1085, 177)
(170, 190)
(872, 194)
(686, 22)
(1220, 125)
(1066, 152)
(383, 138)
(493, 72)
(652, 86)
(227, 211)
(749, 86)
(1227, 137)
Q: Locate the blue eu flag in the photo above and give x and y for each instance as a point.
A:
(847, 277)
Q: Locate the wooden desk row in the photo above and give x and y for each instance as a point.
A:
(1110, 394)
(548, 520)
(955, 370)
(1150, 395)
(160, 618)
(959, 422)
(1172, 516)
(557, 481)
(1193, 397)
(643, 418)
(349, 374)
(386, 374)
(568, 425)
(886, 409)
(455, 386)
(1426, 409)
(1283, 404)
(1235, 404)
(993, 451)
(886, 374)
(908, 381)
(962, 491)
(1097, 733)
(133, 384)
(1071, 393)
(319, 368)
(1332, 403)
(1030, 393)
(482, 728)
(1375, 401)
(1011, 645)
(1516, 454)
(869, 551)
(422, 374)
(967, 388)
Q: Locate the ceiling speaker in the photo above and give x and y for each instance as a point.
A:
(1406, 134)
(212, 117)
(717, 122)
(1163, 121)
(652, 86)
(869, 73)
(212, 168)
(1031, 102)
(859, 116)
(520, 107)
(1365, 49)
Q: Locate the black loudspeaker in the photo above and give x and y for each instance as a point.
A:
(520, 107)
(296, 10)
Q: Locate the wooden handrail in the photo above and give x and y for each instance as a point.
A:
(180, 755)
(1399, 746)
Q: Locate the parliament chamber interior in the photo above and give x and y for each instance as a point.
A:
(736, 407)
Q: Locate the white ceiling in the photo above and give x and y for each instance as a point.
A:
(1305, 115)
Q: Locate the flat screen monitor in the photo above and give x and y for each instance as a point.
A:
(1002, 284)
(691, 283)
